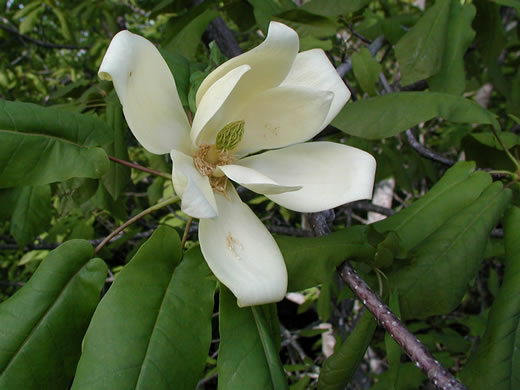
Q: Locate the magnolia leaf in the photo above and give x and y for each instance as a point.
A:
(40, 145)
(334, 7)
(187, 40)
(248, 357)
(388, 115)
(117, 176)
(366, 69)
(420, 51)
(31, 214)
(459, 35)
(442, 266)
(490, 365)
(338, 369)
(312, 261)
(43, 324)
(152, 330)
(458, 188)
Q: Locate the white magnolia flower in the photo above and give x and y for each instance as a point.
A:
(268, 98)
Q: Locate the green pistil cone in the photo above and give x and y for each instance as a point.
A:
(230, 135)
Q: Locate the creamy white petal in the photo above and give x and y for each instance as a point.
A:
(254, 180)
(330, 174)
(146, 89)
(197, 197)
(270, 61)
(282, 116)
(242, 253)
(210, 116)
(312, 69)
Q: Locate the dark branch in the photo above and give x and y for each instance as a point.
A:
(425, 152)
(219, 32)
(416, 351)
(37, 42)
(366, 205)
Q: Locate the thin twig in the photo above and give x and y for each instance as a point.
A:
(186, 232)
(140, 167)
(425, 152)
(441, 378)
(134, 219)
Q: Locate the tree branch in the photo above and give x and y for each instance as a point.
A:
(37, 42)
(425, 152)
(416, 351)
(219, 32)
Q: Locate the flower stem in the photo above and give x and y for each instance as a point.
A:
(186, 232)
(140, 167)
(143, 213)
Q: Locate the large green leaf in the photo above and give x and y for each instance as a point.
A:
(152, 330)
(40, 145)
(388, 115)
(338, 369)
(442, 266)
(459, 187)
(187, 40)
(117, 176)
(312, 261)
(32, 213)
(366, 69)
(490, 367)
(451, 76)
(420, 51)
(334, 7)
(248, 357)
(43, 324)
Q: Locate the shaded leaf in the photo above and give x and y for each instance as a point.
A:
(338, 369)
(366, 69)
(388, 115)
(451, 77)
(117, 176)
(43, 323)
(187, 40)
(334, 7)
(420, 51)
(248, 358)
(152, 330)
(442, 266)
(40, 145)
(490, 366)
(457, 188)
(312, 261)
(31, 214)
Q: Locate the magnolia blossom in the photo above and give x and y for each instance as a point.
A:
(270, 98)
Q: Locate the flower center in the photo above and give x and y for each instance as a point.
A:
(208, 157)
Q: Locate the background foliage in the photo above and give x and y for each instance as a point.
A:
(435, 98)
